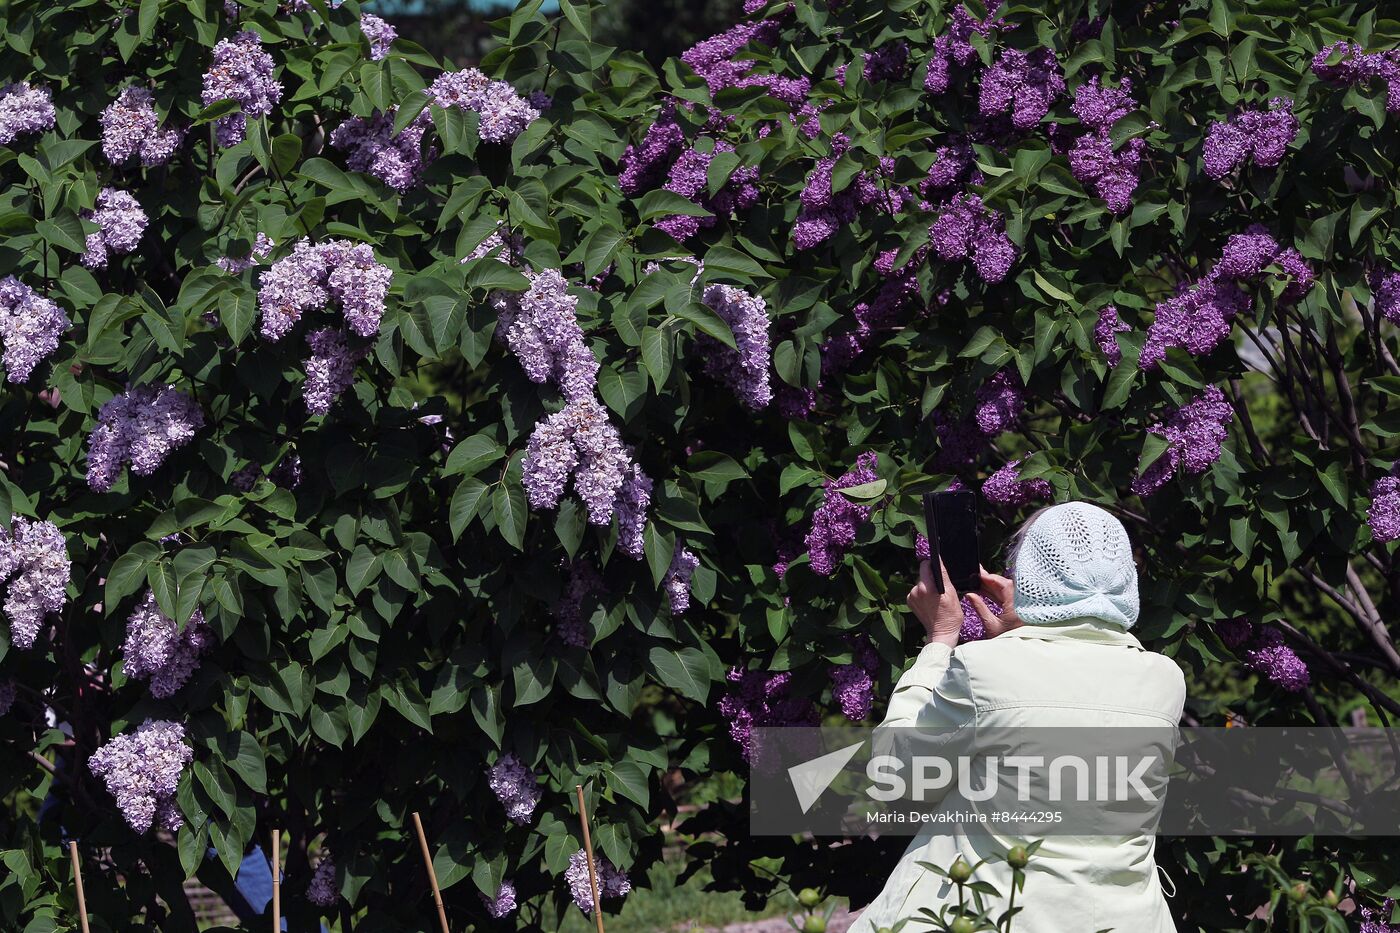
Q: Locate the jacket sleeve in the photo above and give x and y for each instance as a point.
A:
(931, 713)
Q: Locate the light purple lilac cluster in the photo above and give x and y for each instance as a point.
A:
(836, 520)
(677, 580)
(1384, 512)
(973, 628)
(321, 891)
(504, 113)
(714, 58)
(1355, 67)
(314, 275)
(131, 127)
(1385, 290)
(397, 159)
(260, 250)
(241, 72)
(516, 787)
(644, 166)
(579, 442)
(1199, 317)
(141, 427)
(611, 882)
(540, 326)
(852, 686)
(689, 177)
(34, 561)
(503, 904)
(824, 210)
(1265, 651)
(330, 369)
(1106, 329)
(968, 230)
(1194, 433)
(1023, 86)
(745, 367)
(142, 771)
(569, 623)
(1005, 487)
(381, 35)
(24, 110)
(159, 651)
(1261, 135)
(30, 326)
(760, 698)
(511, 246)
(120, 223)
(954, 49)
(1110, 174)
(1378, 920)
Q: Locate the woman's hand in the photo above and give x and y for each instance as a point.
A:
(941, 615)
(1003, 591)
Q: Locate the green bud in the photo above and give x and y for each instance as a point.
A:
(809, 897)
(815, 923)
(1018, 857)
(1331, 899)
(961, 872)
(1298, 893)
(962, 925)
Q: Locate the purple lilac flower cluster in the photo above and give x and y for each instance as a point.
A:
(647, 165)
(837, 518)
(1105, 330)
(159, 651)
(689, 177)
(954, 169)
(959, 440)
(1385, 290)
(1265, 651)
(1194, 433)
(313, 276)
(241, 72)
(503, 904)
(30, 326)
(260, 250)
(898, 291)
(824, 210)
(504, 113)
(890, 62)
(611, 882)
(999, 403)
(1022, 85)
(569, 623)
(541, 328)
(677, 580)
(714, 58)
(1111, 175)
(973, 628)
(321, 890)
(330, 369)
(142, 770)
(852, 686)
(511, 246)
(120, 222)
(516, 787)
(1261, 135)
(381, 35)
(580, 443)
(131, 127)
(968, 230)
(744, 368)
(1005, 487)
(1354, 67)
(34, 560)
(24, 110)
(1384, 512)
(954, 49)
(760, 698)
(141, 427)
(397, 159)
(1199, 317)
(1378, 920)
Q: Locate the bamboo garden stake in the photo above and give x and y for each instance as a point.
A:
(432, 875)
(277, 881)
(78, 881)
(588, 850)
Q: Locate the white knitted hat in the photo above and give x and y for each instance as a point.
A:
(1075, 561)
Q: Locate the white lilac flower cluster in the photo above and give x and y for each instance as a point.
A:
(516, 787)
(611, 882)
(541, 328)
(397, 159)
(159, 651)
(745, 369)
(142, 770)
(241, 72)
(677, 580)
(24, 110)
(131, 127)
(120, 223)
(503, 904)
(313, 276)
(504, 113)
(141, 427)
(34, 561)
(30, 326)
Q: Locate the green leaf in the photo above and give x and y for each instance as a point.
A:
(286, 151)
(663, 203)
(684, 670)
(656, 355)
(146, 18)
(510, 511)
(466, 502)
(364, 566)
(600, 249)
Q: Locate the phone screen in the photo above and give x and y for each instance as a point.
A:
(955, 511)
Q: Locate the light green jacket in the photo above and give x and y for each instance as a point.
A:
(1079, 673)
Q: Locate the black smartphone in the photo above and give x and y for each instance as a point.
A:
(950, 518)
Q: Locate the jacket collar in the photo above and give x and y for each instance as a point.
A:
(1084, 628)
